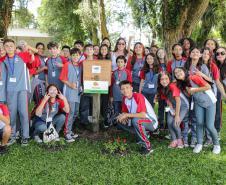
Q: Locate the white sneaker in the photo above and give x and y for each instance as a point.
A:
(168, 136)
(197, 149)
(216, 149)
(57, 139)
(37, 139)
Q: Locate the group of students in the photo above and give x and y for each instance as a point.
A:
(189, 90)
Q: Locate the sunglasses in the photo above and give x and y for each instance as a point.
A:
(220, 53)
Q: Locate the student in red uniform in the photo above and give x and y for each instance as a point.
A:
(138, 112)
(178, 106)
(17, 88)
(54, 64)
(119, 75)
(5, 129)
(135, 64)
(204, 106)
(50, 110)
(71, 77)
(149, 78)
(220, 59)
(178, 60)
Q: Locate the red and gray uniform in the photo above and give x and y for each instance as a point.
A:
(117, 77)
(72, 74)
(137, 104)
(54, 71)
(5, 112)
(172, 64)
(17, 88)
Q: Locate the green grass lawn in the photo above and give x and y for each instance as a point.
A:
(83, 163)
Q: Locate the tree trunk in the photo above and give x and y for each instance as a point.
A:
(102, 19)
(187, 17)
(6, 14)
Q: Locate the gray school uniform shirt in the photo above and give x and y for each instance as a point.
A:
(72, 74)
(54, 71)
(18, 78)
(41, 76)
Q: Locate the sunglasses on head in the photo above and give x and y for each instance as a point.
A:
(220, 53)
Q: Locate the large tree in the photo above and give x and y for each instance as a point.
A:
(5, 18)
(170, 20)
(60, 20)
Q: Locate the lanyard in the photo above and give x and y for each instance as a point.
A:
(11, 64)
(52, 62)
(76, 72)
(131, 105)
(151, 75)
(120, 74)
(163, 67)
(175, 63)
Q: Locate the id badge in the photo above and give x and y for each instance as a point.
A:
(117, 82)
(53, 74)
(49, 119)
(1, 82)
(151, 86)
(192, 105)
(12, 79)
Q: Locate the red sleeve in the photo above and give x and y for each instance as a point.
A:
(139, 98)
(215, 71)
(64, 73)
(129, 76)
(198, 80)
(2, 59)
(64, 60)
(61, 103)
(25, 56)
(174, 89)
(128, 65)
(168, 67)
(124, 107)
(142, 75)
(5, 110)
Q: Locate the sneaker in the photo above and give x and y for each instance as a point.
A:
(74, 136)
(168, 136)
(156, 132)
(216, 149)
(3, 150)
(145, 151)
(180, 143)
(197, 149)
(173, 144)
(37, 139)
(193, 143)
(69, 139)
(186, 145)
(11, 142)
(208, 143)
(24, 142)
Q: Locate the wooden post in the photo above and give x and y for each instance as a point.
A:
(96, 113)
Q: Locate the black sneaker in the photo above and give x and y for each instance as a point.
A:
(24, 142)
(145, 151)
(3, 150)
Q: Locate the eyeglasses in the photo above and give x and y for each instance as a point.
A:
(220, 53)
(121, 43)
